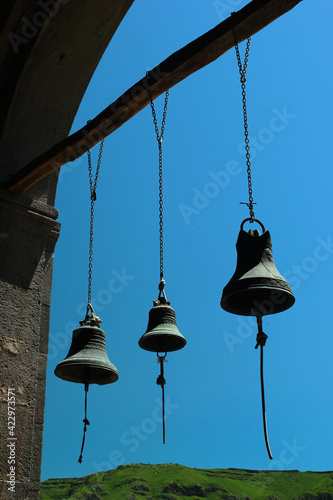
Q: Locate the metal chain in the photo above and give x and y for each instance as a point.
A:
(159, 137)
(242, 72)
(93, 186)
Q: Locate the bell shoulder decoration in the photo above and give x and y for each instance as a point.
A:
(87, 361)
(256, 287)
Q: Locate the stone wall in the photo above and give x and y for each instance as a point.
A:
(28, 233)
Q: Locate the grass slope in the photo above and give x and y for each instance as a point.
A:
(173, 481)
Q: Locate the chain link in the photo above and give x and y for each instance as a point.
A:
(93, 187)
(159, 137)
(242, 72)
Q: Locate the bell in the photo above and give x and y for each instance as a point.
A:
(162, 334)
(87, 361)
(257, 287)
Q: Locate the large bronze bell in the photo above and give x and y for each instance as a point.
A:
(162, 334)
(87, 361)
(257, 287)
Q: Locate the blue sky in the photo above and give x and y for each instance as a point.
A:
(212, 390)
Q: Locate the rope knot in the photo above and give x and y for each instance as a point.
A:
(160, 380)
(261, 339)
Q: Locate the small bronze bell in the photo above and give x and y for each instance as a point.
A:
(162, 334)
(87, 361)
(257, 287)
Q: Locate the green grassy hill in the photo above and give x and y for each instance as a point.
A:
(172, 482)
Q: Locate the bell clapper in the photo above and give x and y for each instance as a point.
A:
(261, 341)
(85, 420)
(161, 381)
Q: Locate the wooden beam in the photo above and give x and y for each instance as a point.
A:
(194, 56)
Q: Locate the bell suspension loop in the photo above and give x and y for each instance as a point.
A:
(161, 299)
(242, 72)
(161, 381)
(90, 319)
(261, 341)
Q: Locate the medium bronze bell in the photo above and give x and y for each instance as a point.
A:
(257, 287)
(87, 361)
(162, 334)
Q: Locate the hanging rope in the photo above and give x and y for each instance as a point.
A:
(261, 341)
(93, 187)
(159, 137)
(242, 72)
(161, 381)
(85, 421)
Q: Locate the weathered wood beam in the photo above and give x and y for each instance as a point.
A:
(194, 56)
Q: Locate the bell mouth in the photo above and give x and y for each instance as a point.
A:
(83, 372)
(87, 361)
(162, 341)
(259, 297)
